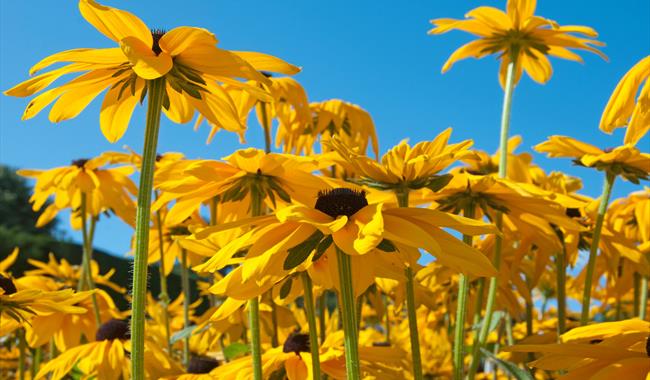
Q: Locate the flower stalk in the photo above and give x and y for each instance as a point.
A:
(503, 171)
(643, 304)
(402, 196)
(185, 283)
(163, 297)
(461, 310)
(86, 258)
(347, 314)
(593, 251)
(254, 306)
(155, 91)
(560, 268)
(311, 320)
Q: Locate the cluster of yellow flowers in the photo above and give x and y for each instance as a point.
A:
(306, 264)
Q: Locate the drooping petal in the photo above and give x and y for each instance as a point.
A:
(116, 112)
(145, 62)
(474, 49)
(214, 61)
(178, 39)
(114, 23)
(266, 62)
(96, 58)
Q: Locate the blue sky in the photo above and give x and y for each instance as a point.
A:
(372, 53)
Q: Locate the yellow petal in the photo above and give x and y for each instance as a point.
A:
(116, 112)
(474, 49)
(114, 23)
(145, 62)
(178, 39)
(266, 62)
(97, 58)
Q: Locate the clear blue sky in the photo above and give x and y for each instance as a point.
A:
(373, 53)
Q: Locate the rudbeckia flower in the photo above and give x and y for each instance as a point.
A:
(105, 190)
(623, 109)
(606, 350)
(519, 165)
(626, 160)
(403, 166)
(108, 357)
(333, 117)
(246, 173)
(631, 217)
(520, 36)
(193, 66)
(344, 218)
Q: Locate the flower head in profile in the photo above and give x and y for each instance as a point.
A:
(607, 350)
(518, 35)
(625, 160)
(623, 109)
(193, 67)
(84, 180)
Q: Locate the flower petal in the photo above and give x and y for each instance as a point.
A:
(114, 23)
(116, 112)
(178, 39)
(266, 62)
(145, 62)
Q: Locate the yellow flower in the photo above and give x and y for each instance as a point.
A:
(404, 166)
(519, 165)
(105, 190)
(193, 67)
(625, 160)
(519, 35)
(329, 118)
(608, 350)
(108, 357)
(297, 237)
(278, 178)
(67, 275)
(631, 217)
(622, 109)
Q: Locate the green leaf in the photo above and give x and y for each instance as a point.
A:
(387, 246)
(510, 368)
(235, 350)
(322, 247)
(438, 182)
(285, 289)
(299, 253)
(182, 334)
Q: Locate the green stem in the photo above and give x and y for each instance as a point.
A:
(86, 259)
(509, 337)
(529, 318)
(22, 353)
(402, 196)
(267, 128)
(560, 267)
(185, 283)
(274, 322)
(37, 355)
(163, 297)
(156, 91)
(478, 302)
(254, 305)
(323, 311)
(461, 310)
(385, 298)
(212, 298)
(593, 251)
(503, 170)
(358, 313)
(643, 304)
(311, 319)
(349, 321)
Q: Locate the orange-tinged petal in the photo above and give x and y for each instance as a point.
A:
(97, 58)
(214, 61)
(538, 67)
(145, 62)
(474, 49)
(114, 23)
(180, 110)
(296, 368)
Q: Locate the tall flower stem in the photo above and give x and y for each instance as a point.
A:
(163, 297)
(155, 91)
(351, 340)
(254, 306)
(503, 170)
(560, 268)
(461, 310)
(321, 321)
(387, 319)
(314, 347)
(185, 284)
(267, 128)
(86, 259)
(637, 294)
(478, 303)
(402, 196)
(593, 251)
(643, 303)
(22, 350)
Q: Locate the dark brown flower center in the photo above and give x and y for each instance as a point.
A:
(80, 163)
(573, 213)
(341, 201)
(113, 329)
(7, 285)
(157, 35)
(296, 343)
(202, 364)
